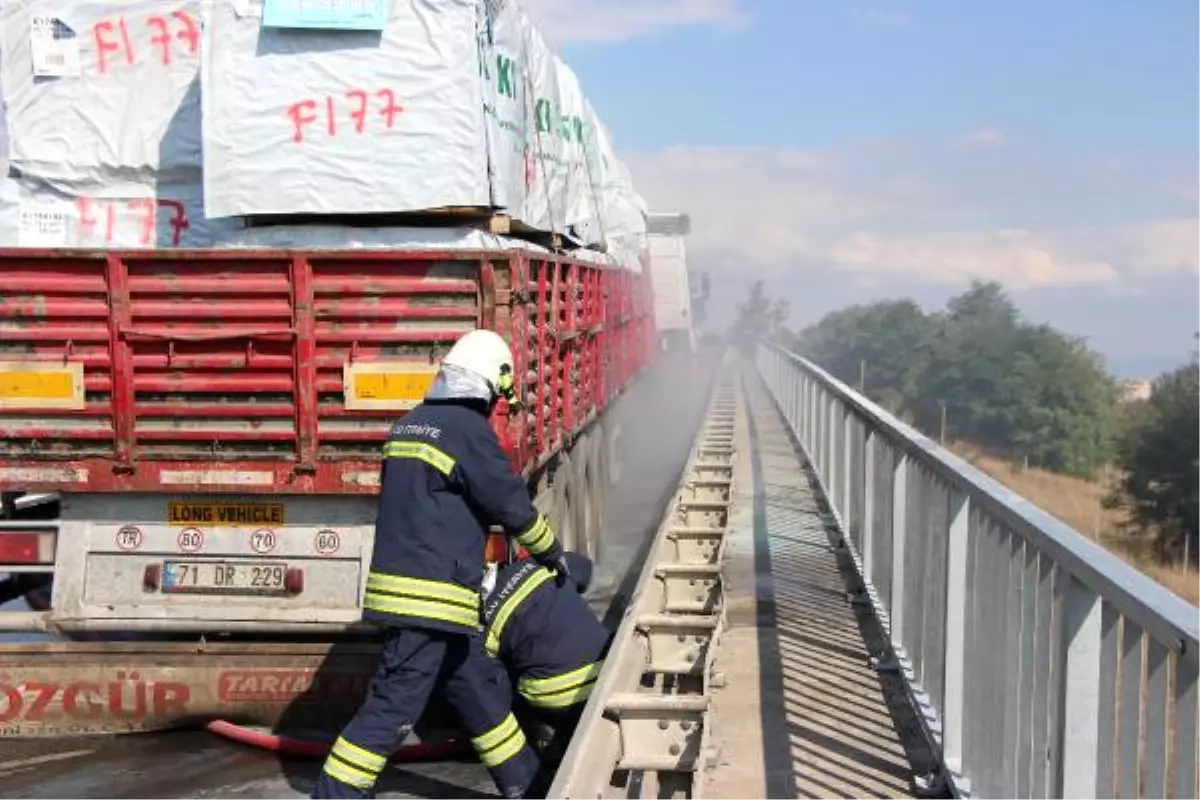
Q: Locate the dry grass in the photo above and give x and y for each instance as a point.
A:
(1078, 503)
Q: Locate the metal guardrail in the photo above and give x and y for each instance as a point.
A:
(1044, 666)
(645, 730)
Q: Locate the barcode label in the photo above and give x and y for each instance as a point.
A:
(43, 226)
(53, 48)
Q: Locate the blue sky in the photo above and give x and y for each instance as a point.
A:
(851, 151)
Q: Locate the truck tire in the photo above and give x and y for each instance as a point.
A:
(592, 495)
(611, 444)
(564, 516)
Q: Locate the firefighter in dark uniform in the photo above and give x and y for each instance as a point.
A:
(551, 644)
(444, 481)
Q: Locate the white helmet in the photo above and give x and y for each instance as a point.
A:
(486, 355)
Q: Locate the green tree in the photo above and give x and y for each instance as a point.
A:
(883, 347)
(1158, 454)
(761, 319)
(970, 362)
(1018, 390)
(1058, 404)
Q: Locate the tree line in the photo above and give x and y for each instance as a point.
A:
(977, 371)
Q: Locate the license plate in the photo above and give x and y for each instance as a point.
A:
(187, 513)
(30, 384)
(380, 386)
(224, 577)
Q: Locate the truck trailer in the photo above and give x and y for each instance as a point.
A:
(190, 439)
(223, 279)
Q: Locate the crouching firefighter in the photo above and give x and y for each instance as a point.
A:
(551, 644)
(443, 482)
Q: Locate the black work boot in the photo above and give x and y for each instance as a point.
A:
(540, 785)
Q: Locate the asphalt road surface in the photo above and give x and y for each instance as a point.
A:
(659, 418)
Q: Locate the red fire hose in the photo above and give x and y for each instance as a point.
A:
(264, 739)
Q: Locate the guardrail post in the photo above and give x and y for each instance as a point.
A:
(847, 471)
(958, 552)
(820, 440)
(1185, 726)
(899, 534)
(831, 447)
(870, 441)
(1086, 635)
(810, 414)
(793, 409)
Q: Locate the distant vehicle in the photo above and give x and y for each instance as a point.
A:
(680, 294)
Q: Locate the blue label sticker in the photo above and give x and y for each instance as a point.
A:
(344, 15)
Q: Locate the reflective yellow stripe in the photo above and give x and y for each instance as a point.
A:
(488, 740)
(407, 607)
(503, 752)
(560, 691)
(348, 774)
(358, 756)
(496, 630)
(422, 589)
(539, 538)
(421, 451)
(500, 743)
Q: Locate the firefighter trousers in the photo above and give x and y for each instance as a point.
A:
(415, 661)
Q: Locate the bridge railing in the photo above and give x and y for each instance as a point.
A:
(1044, 665)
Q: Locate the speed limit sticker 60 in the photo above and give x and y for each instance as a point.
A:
(327, 542)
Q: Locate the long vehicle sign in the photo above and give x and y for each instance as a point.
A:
(180, 512)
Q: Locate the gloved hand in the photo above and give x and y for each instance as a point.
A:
(560, 568)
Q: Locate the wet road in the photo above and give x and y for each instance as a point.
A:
(659, 420)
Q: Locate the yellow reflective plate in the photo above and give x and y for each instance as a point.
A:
(381, 385)
(30, 384)
(181, 512)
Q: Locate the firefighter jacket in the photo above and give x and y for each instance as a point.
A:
(546, 635)
(444, 481)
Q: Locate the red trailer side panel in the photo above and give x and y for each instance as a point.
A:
(277, 371)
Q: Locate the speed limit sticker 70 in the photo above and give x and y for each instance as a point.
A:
(263, 541)
(327, 542)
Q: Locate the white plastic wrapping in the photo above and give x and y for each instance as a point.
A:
(119, 216)
(578, 138)
(107, 92)
(505, 98)
(9, 207)
(302, 121)
(456, 103)
(622, 210)
(546, 193)
(345, 237)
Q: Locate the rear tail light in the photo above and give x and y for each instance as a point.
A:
(24, 547)
(293, 580)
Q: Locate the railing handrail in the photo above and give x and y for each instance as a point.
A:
(1167, 617)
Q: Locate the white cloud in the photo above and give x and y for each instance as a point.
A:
(618, 20)
(920, 211)
(983, 139)
(882, 17)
